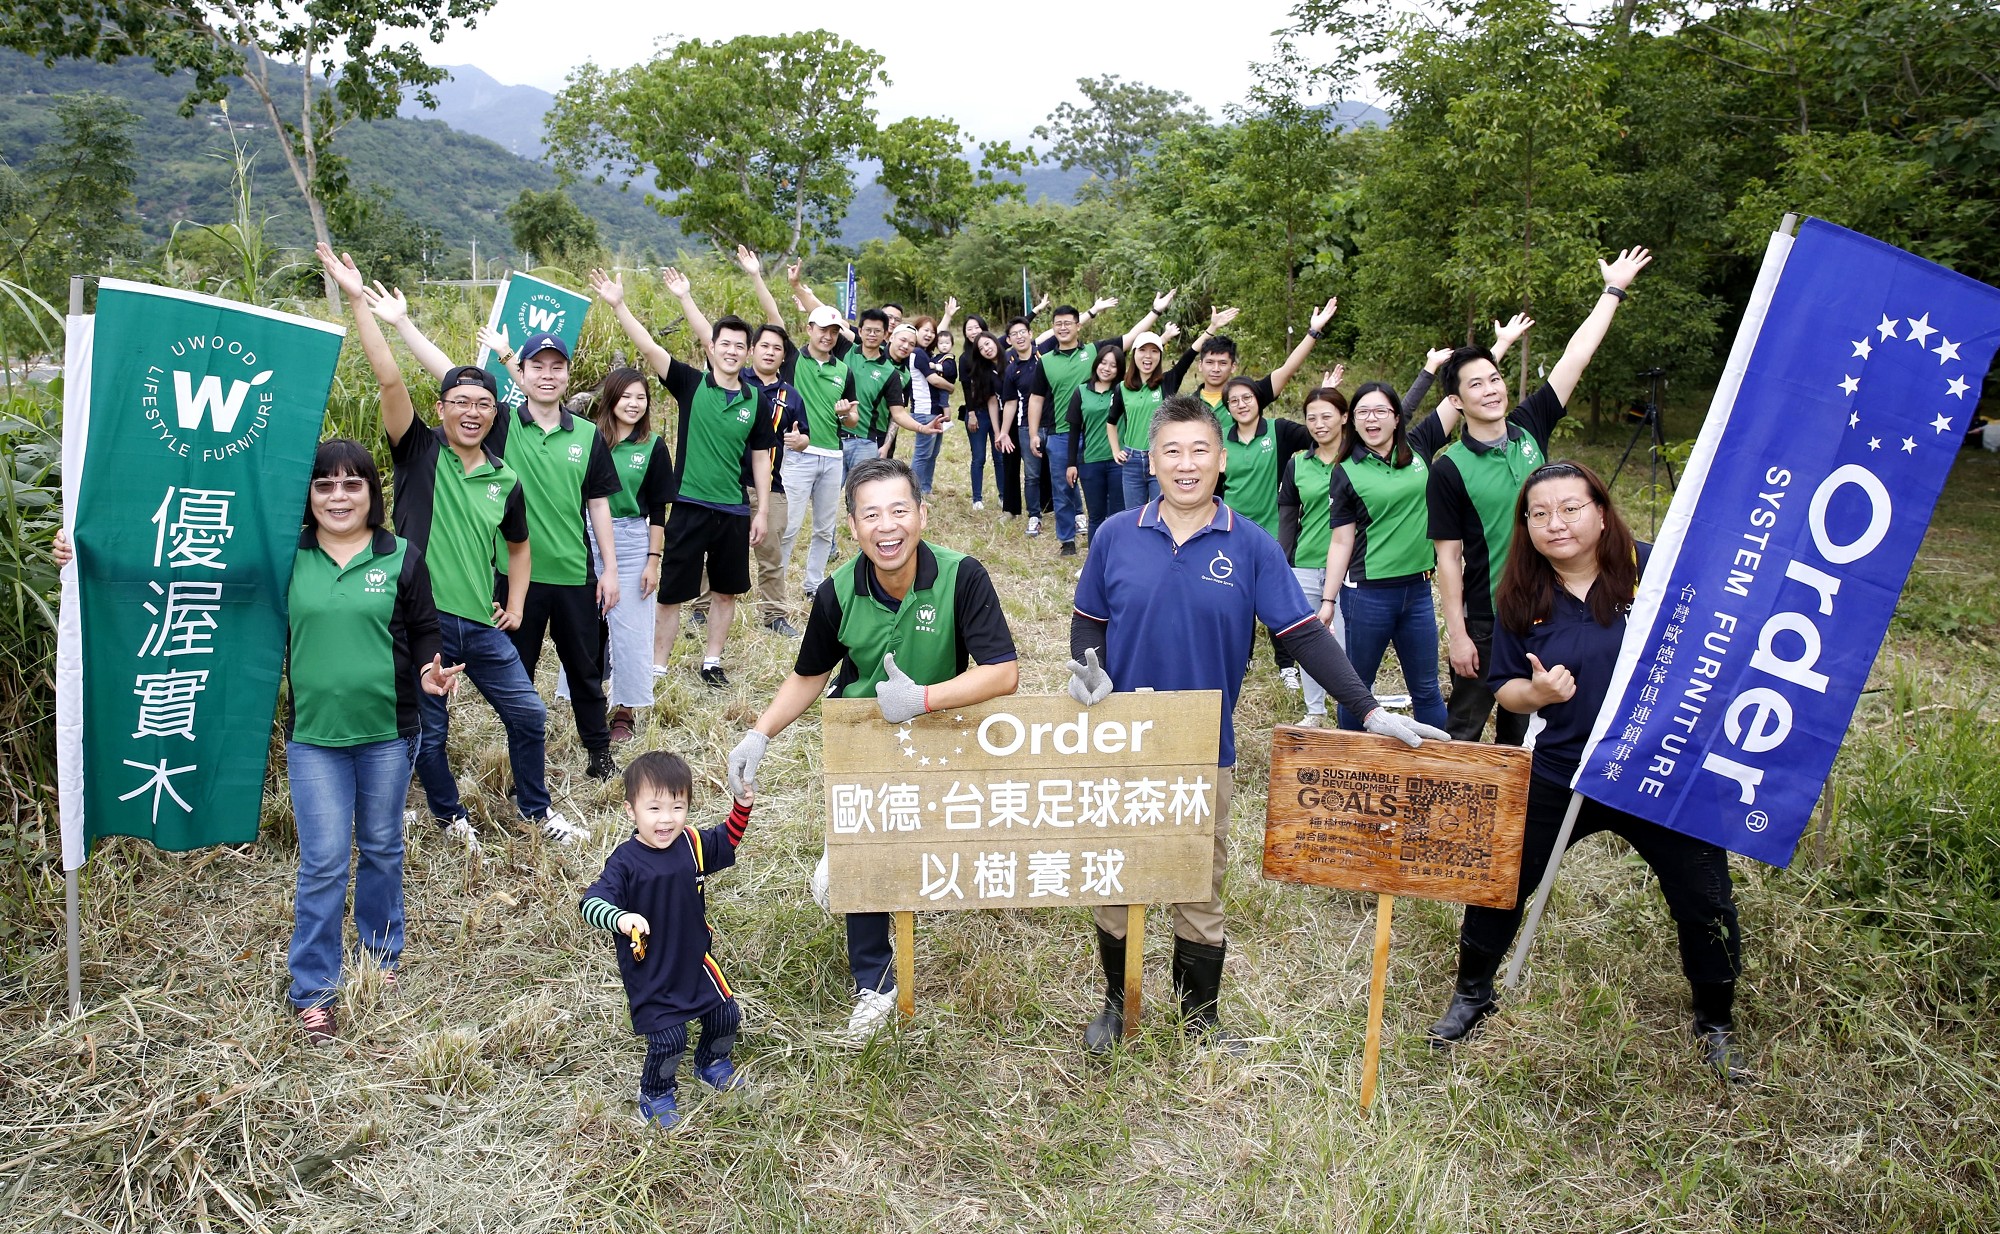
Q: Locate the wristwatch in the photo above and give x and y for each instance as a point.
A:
(1609, 290)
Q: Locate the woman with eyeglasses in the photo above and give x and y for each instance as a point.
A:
(1379, 548)
(1572, 571)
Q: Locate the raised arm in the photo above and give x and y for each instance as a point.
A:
(388, 304)
(1282, 375)
(1584, 343)
(1504, 337)
(611, 290)
(751, 265)
(683, 290)
(398, 414)
(950, 308)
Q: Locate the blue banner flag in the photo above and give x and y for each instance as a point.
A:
(1027, 297)
(853, 305)
(1847, 395)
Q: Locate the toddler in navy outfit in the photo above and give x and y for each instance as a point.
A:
(652, 897)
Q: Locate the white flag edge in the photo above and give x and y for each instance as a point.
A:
(81, 332)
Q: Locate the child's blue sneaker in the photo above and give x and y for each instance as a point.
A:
(721, 1076)
(662, 1112)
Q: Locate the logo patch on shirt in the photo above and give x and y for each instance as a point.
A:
(927, 619)
(1219, 570)
(377, 581)
(639, 459)
(576, 453)
(493, 492)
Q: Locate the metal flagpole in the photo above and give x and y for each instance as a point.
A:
(1542, 893)
(72, 928)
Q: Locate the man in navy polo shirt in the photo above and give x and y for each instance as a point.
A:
(1186, 572)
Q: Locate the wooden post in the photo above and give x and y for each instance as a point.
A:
(906, 963)
(1135, 967)
(1371, 1054)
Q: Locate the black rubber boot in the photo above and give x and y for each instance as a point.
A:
(1198, 980)
(1104, 1032)
(1472, 998)
(1715, 1030)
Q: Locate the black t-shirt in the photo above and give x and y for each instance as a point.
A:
(1571, 637)
(983, 636)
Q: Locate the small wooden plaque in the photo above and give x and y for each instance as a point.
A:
(1022, 802)
(1366, 813)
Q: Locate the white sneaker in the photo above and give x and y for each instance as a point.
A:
(979, 505)
(559, 829)
(1034, 524)
(1083, 524)
(872, 1009)
(1290, 676)
(819, 883)
(659, 670)
(460, 829)
(1314, 719)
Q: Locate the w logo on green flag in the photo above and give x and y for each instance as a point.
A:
(208, 399)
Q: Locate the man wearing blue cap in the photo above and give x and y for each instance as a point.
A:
(567, 475)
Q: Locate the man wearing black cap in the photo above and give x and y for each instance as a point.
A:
(454, 497)
(567, 476)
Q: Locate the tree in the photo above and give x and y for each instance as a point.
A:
(933, 186)
(1120, 122)
(345, 70)
(384, 239)
(551, 227)
(748, 141)
(72, 208)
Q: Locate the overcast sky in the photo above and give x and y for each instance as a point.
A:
(997, 79)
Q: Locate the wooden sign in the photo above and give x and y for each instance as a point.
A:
(1022, 802)
(1366, 813)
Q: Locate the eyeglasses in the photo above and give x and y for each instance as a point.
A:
(1374, 413)
(470, 404)
(352, 485)
(1570, 511)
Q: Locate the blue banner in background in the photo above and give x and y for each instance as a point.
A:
(1847, 396)
(853, 305)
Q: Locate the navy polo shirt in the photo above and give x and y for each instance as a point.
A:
(1571, 637)
(1183, 617)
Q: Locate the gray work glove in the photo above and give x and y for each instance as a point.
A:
(1088, 682)
(743, 762)
(899, 697)
(1386, 723)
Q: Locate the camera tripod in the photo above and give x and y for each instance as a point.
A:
(1656, 449)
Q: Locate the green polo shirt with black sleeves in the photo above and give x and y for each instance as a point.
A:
(950, 617)
(360, 634)
(645, 477)
(1251, 478)
(1062, 373)
(563, 467)
(456, 517)
(1089, 410)
(719, 428)
(1135, 421)
(822, 385)
(1472, 489)
(1385, 506)
(878, 386)
(1304, 494)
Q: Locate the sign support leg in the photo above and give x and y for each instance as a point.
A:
(1542, 894)
(906, 963)
(1371, 1055)
(1135, 947)
(74, 932)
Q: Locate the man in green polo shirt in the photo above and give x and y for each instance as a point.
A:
(1472, 489)
(567, 476)
(710, 526)
(1217, 367)
(951, 648)
(814, 464)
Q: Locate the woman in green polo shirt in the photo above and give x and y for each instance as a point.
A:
(623, 411)
(1091, 471)
(1381, 549)
(1145, 386)
(364, 640)
(1303, 524)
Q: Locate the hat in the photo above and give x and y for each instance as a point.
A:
(1149, 339)
(538, 343)
(823, 316)
(468, 375)
(903, 328)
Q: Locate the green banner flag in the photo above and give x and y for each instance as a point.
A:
(188, 449)
(528, 305)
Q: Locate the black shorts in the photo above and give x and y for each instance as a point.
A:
(698, 536)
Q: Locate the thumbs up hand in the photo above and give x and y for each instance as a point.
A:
(1551, 685)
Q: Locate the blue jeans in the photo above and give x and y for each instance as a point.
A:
(1405, 616)
(346, 797)
(1140, 486)
(855, 450)
(923, 456)
(1057, 447)
(977, 433)
(1031, 471)
(1101, 490)
(494, 668)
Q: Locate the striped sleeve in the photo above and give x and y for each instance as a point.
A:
(739, 818)
(601, 914)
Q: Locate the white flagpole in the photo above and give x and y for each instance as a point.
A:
(1542, 893)
(72, 912)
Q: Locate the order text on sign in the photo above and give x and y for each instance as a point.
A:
(1363, 813)
(1022, 802)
